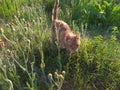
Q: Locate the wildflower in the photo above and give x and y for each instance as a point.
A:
(15, 17)
(28, 41)
(56, 74)
(1, 30)
(24, 20)
(28, 24)
(42, 65)
(63, 73)
(8, 50)
(61, 77)
(25, 28)
(11, 26)
(50, 76)
(33, 22)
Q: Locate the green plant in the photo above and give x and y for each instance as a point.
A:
(8, 8)
(57, 81)
(26, 45)
(95, 65)
(103, 13)
(29, 57)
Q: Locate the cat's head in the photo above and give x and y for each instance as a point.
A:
(73, 42)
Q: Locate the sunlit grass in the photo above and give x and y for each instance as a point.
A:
(29, 60)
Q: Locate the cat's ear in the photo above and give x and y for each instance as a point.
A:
(78, 36)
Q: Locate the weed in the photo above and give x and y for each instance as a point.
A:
(28, 59)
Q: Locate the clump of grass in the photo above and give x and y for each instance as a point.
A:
(8, 8)
(57, 81)
(97, 64)
(28, 55)
(26, 44)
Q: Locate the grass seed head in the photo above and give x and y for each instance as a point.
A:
(50, 76)
(61, 76)
(1, 30)
(63, 73)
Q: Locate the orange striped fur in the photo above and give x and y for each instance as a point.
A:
(66, 38)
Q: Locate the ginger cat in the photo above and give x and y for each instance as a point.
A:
(66, 38)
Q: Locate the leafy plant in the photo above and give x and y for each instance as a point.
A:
(29, 60)
(94, 67)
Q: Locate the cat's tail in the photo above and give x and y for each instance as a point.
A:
(54, 11)
(54, 17)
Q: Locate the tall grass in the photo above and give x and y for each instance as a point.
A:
(29, 61)
(8, 8)
(97, 65)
